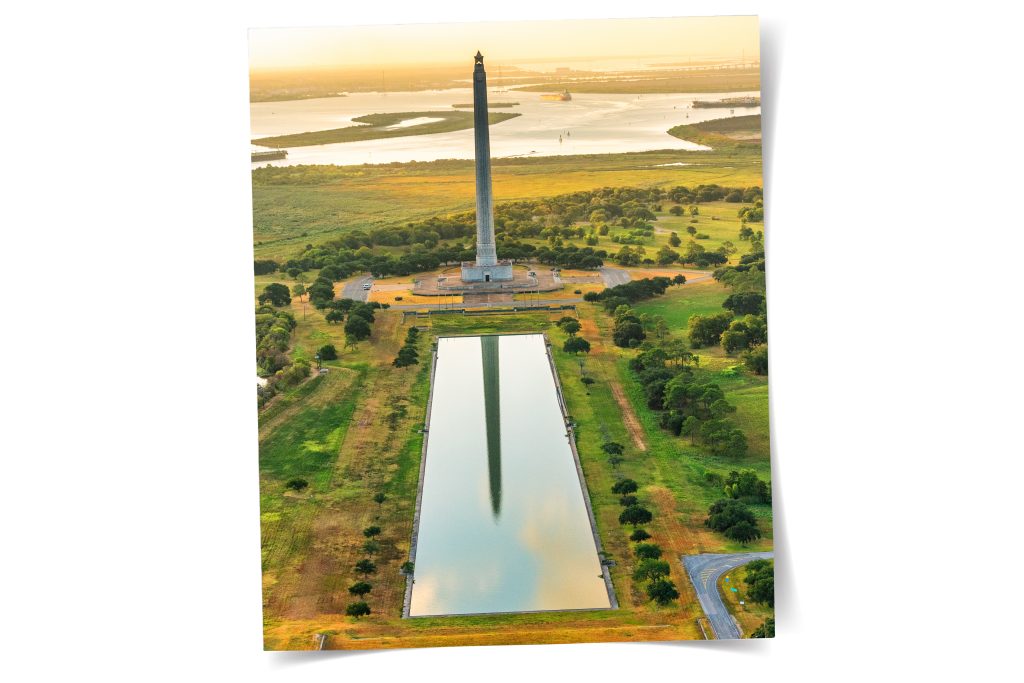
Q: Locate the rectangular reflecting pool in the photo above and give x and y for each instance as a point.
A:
(503, 525)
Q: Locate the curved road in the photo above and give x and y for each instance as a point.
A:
(704, 572)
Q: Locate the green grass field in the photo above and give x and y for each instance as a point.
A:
(296, 205)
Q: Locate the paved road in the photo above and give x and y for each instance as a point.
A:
(354, 288)
(614, 276)
(704, 572)
(531, 303)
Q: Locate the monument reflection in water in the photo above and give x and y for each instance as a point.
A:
(503, 525)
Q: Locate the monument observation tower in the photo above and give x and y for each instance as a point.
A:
(487, 267)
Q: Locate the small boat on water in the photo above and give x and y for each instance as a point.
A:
(563, 96)
(269, 155)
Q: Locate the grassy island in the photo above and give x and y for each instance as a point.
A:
(379, 126)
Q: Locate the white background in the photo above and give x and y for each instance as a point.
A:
(130, 507)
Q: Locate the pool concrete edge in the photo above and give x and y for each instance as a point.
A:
(410, 578)
(613, 602)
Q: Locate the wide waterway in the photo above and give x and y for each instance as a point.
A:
(587, 124)
(503, 526)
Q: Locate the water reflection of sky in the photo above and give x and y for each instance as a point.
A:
(538, 553)
(588, 124)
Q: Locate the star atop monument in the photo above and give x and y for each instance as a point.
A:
(478, 57)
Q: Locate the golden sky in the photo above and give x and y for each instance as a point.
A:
(504, 42)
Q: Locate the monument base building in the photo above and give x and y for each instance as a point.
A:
(499, 272)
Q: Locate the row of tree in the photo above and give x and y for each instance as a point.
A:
(408, 354)
(650, 567)
(366, 567)
(273, 334)
(358, 317)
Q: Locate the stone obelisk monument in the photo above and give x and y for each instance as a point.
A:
(487, 267)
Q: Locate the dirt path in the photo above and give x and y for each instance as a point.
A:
(636, 432)
(629, 418)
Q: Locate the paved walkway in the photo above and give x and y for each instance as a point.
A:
(704, 572)
(531, 303)
(614, 276)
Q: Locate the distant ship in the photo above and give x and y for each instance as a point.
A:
(727, 102)
(563, 96)
(270, 155)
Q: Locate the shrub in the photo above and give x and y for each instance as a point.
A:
(662, 591)
(627, 501)
(635, 515)
(639, 535)
(328, 352)
(371, 531)
(649, 569)
(647, 551)
(296, 484)
(357, 609)
(624, 485)
(360, 589)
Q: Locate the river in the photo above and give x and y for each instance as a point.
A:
(588, 124)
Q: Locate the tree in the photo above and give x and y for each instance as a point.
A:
(694, 211)
(357, 609)
(328, 352)
(407, 568)
(765, 630)
(371, 547)
(706, 330)
(628, 500)
(662, 591)
(635, 515)
(575, 345)
(756, 359)
(299, 290)
(379, 498)
(570, 325)
(296, 484)
(407, 355)
(679, 279)
(744, 532)
(690, 427)
(666, 256)
(334, 316)
(623, 485)
(650, 569)
(591, 297)
(674, 240)
(676, 210)
(276, 294)
(628, 333)
(366, 567)
(745, 303)
(264, 267)
(639, 535)
(360, 589)
(760, 580)
(647, 551)
(357, 327)
(614, 448)
(371, 531)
